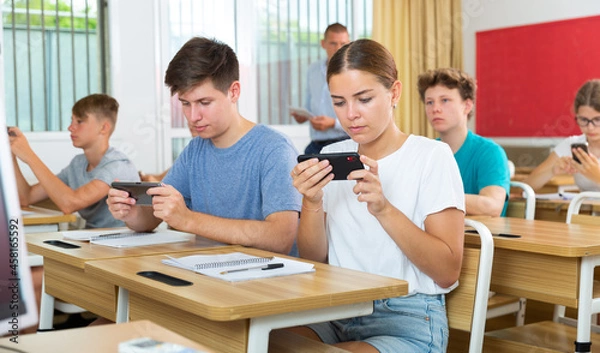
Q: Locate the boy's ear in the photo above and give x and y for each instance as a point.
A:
(468, 106)
(234, 91)
(106, 127)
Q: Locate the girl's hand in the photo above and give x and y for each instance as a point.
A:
(368, 186)
(310, 176)
(589, 167)
(564, 165)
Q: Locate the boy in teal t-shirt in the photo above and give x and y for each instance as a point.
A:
(449, 96)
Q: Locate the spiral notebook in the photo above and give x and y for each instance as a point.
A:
(237, 266)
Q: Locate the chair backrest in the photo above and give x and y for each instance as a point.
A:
(573, 215)
(515, 210)
(467, 304)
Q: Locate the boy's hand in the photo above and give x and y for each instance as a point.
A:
(120, 204)
(168, 205)
(322, 122)
(19, 145)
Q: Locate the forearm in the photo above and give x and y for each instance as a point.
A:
(538, 178)
(312, 238)
(23, 187)
(59, 192)
(276, 233)
(439, 258)
(483, 205)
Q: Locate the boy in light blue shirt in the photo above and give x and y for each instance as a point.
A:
(232, 182)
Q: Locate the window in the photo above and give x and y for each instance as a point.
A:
(53, 56)
(275, 46)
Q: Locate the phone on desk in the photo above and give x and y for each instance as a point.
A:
(583, 146)
(137, 190)
(342, 163)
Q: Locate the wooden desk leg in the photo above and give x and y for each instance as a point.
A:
(260, 327)
(587, 305)
(122, 306)
(46, 309)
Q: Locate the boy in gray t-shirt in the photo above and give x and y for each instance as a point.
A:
(83, 185)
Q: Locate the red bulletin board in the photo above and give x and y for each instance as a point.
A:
(527, 77)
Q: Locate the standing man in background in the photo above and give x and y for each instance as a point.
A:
(325, 128)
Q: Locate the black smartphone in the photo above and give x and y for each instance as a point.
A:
(342, 163)
(583, 146)
(137, 190)
(164, 278)
(62, 244)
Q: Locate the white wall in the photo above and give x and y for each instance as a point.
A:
(482, 15)
(136, 81)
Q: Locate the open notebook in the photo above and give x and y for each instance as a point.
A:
(236, 266)
(125, 238)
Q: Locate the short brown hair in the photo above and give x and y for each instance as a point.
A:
(588, 95)
(365, 55)
(450, 78)
(201, 59)
(335, 28)
(101, 105)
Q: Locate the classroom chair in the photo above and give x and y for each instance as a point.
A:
(573, 217)
(467, 304)
(502, 304)
(516, 209)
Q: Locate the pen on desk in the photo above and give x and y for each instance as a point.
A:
(261, 267)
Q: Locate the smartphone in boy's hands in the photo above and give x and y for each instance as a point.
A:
(342, 163)
(137, 190)
(583, 146)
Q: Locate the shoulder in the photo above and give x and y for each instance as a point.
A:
(426, 143)
(481, 144)
(264, 140)
(113, 154)
(266, 133)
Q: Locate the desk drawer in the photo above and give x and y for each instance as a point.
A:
(550, 279)
(73, 285)
(222, 336)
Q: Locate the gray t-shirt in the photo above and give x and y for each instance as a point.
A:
(114, 165)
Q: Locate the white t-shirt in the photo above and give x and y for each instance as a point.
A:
(420, 178)
(563, 149)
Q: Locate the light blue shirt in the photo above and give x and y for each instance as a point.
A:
(318, 101)
(249, 180)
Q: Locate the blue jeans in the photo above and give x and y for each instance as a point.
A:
(416, 323)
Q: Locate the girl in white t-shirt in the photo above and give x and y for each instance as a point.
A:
(560, 160)
(401, 217)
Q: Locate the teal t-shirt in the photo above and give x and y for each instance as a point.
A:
(482, 162)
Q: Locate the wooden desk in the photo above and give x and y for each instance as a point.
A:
(97, 339)
(238, 316)
(551, 262)
(37, 220)
(551, 210)
(65, 279)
